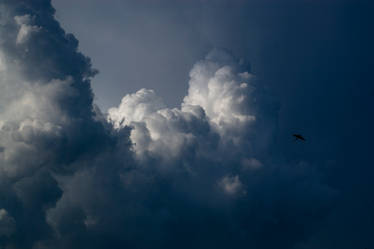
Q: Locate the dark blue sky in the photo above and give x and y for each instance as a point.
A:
(221, 169)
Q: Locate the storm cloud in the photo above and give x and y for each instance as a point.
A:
(143, 175)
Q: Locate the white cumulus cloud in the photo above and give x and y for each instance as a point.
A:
(217, 102)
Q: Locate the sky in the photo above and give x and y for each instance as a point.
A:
(168, 124)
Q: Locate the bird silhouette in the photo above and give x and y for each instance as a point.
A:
(299, 137)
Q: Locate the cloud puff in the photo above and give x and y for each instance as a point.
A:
(145, 176)
(231, 185)
(7, 223)
(251, 164)
(222, 90)
(25, 28)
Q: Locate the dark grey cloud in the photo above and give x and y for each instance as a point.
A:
(210, 173)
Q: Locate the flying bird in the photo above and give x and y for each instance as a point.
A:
(299, 137)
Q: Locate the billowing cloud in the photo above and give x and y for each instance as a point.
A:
(214, 116)
(145, 175)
